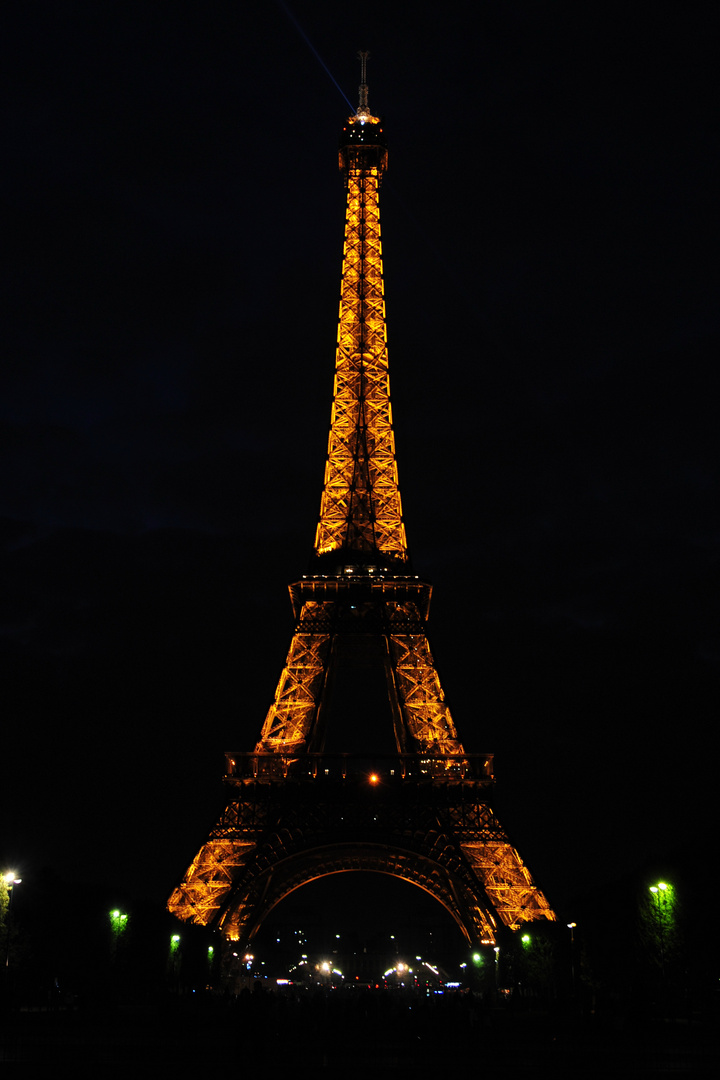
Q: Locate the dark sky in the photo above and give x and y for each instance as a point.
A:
(172, 280)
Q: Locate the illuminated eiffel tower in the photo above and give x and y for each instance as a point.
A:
(359, 765)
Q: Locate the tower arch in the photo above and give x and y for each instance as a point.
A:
(246, 911)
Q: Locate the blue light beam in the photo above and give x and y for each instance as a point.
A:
(314, 51)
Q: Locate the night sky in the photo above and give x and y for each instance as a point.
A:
(175, 216)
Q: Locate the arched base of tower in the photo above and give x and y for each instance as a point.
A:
(275, 837)
(248, 909)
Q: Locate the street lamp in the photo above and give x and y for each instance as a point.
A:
(10, 881)
(571, 927)
(118, 922)
(659, 891)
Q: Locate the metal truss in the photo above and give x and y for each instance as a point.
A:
(422, 717)
(443, 837)
(292, 715)
(216, 866)
(360, 509)
(428, 725)
(507, 882)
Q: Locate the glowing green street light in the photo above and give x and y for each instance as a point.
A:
(118, 923)
(659, 891)
(173, 960)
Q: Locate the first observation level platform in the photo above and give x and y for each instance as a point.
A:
(374, 769)
(362, 584)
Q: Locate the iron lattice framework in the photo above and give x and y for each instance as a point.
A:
(361, 508)
(296, 812)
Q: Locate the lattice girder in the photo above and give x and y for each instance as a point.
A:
(245, 917)
(317, 824)
(508, 882)
(445, 834)
(413, 682)
(208, 880)
(449, 826)
(212, 873)
(290, 719)
(361, 508)
(427, 716)
(443, 837)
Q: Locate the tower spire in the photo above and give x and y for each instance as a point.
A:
(363, 109)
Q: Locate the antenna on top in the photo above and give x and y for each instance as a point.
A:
(363, 109)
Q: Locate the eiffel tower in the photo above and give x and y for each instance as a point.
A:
(359, 765)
